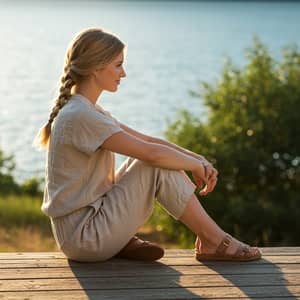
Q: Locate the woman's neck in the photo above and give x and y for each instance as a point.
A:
(88, 91)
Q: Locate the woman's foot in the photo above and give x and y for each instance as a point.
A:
(228, 248)
(138, 249)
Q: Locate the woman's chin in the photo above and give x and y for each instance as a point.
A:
(116, 88)
(113, 89)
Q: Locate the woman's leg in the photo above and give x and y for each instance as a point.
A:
(129, 204)
(194, 216)
(123, 168)
(115, 218)
(207, 231)
(196, 219)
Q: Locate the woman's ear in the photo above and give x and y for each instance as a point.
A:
(95, 73)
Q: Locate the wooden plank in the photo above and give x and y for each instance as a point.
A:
(257, 298)
(153, 270)
(260, 298)
(154, 282)
(30, 255)
(278, 251)
(267, 251)
(161, 293)
(49, 275)
(171, 261)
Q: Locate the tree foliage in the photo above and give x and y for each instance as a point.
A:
(8, 184)
(252, 135)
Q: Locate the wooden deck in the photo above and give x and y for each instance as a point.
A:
(49, 275)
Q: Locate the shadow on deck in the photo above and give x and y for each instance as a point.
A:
(49, 275)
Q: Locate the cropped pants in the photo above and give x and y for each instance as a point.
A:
(100, 230)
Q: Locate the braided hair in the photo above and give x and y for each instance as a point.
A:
(91, 48)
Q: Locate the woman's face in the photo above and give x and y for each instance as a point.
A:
(109, 77)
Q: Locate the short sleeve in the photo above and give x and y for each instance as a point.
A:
(110, 115)
(99, 108)
(90, 129)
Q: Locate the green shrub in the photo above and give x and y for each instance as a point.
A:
(22, 211)
(8, 184)
(176, 232)
(32, 187)
(252, 135)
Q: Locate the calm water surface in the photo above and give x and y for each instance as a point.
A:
(172, 46)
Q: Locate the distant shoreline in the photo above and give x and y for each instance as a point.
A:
(284, 1)
(259, 1)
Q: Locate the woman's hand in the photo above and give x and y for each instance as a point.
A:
(205, 174)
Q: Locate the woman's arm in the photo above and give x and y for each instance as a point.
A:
(155, 154)
(162, 156)
(161, 142)
(210, 172)
(178, 148)
(155, 140)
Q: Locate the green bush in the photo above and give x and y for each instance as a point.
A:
(252, 135)
(22, 211)
(169, 228)
(20, 203)
(8, 184)
(32, 187)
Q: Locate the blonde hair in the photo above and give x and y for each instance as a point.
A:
(91, 48)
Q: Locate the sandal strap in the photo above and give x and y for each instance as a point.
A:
(224, 244)
(243, 250)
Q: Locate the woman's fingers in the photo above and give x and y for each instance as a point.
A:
(210, 185)
(199, 182)
(213, 183)
(209, 178)
(198, 179)
(213, 173)
(203, 192)
(210, 172)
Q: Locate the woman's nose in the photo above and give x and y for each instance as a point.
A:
(123, 74)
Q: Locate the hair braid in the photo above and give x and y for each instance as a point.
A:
(64, 96)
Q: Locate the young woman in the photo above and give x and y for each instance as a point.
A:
(95, 211)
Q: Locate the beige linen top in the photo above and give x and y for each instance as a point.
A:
(78, 171)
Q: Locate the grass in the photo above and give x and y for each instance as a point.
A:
(21, 211)
(25, 239)
(24, 227)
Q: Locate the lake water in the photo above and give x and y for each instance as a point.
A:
(172, 46)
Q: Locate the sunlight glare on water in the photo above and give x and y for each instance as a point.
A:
(172, 46)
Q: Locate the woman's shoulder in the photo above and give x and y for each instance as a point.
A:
(75, 109)
(80, 113)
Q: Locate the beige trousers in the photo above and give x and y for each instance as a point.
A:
(100, 230)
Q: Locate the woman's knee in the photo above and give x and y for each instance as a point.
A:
(141, 166)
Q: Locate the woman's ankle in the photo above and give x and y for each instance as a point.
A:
(209, 242)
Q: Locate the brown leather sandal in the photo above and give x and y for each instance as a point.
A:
(243, 252)
(138, 249)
